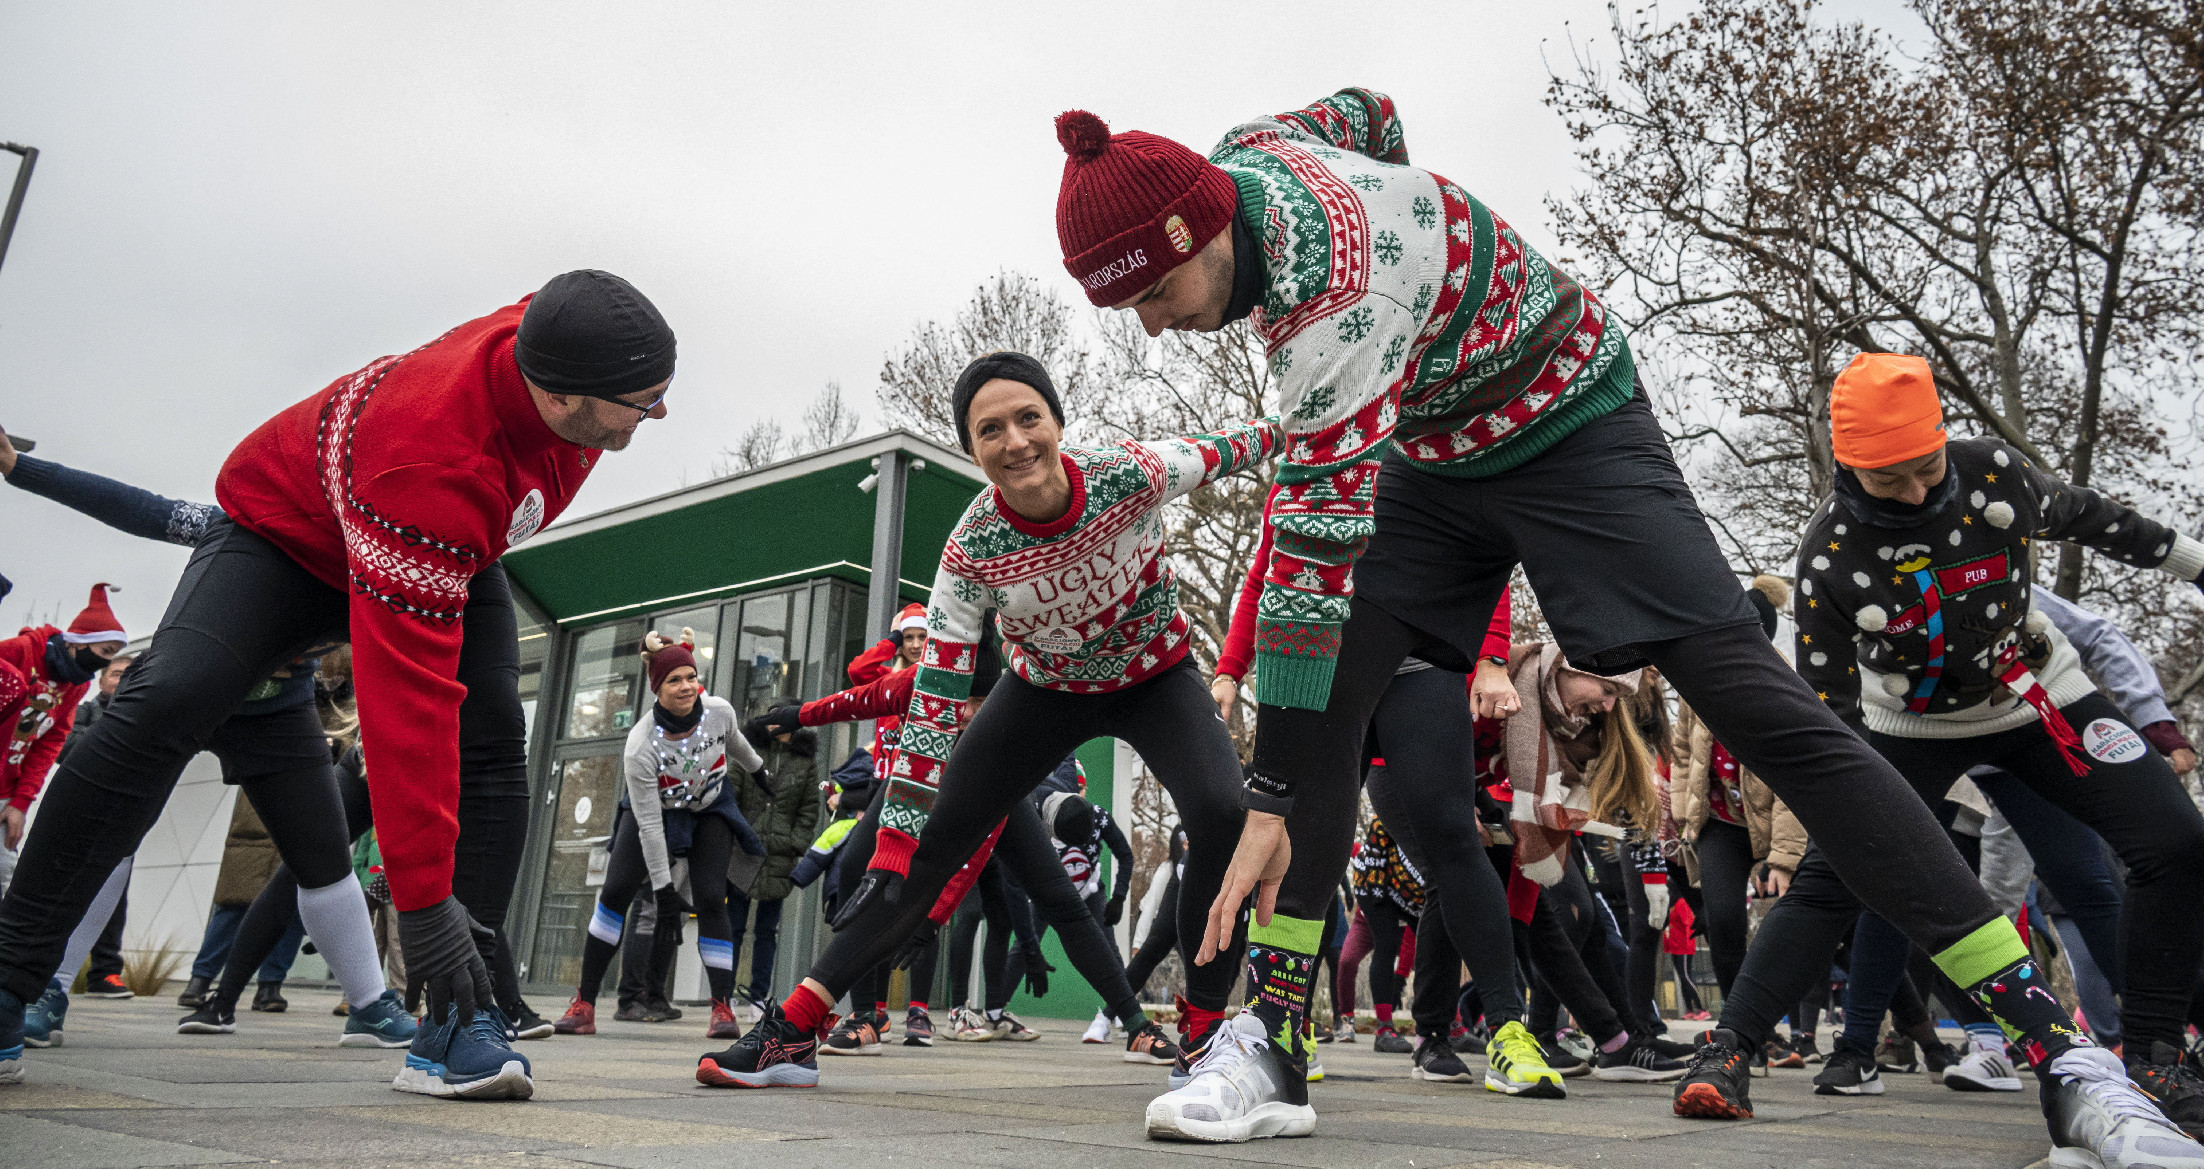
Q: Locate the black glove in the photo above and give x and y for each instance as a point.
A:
(766, 782)
(782, 720)
(1037, 971)
(670, 905)
(1114, 912)
(915, 945)
(883, 885)
(443, 946)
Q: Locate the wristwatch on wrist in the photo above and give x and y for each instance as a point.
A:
(1496, 660)
(1267, 793)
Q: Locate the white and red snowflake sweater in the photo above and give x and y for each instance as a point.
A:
(1085, 604)
(1401, 314)
(397, 484)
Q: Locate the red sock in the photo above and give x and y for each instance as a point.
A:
(880, 1008)
(919, 1003)
(805, 1009)
(1384, 1014)
(1195, 1022)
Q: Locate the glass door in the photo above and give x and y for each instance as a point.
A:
(586, 787)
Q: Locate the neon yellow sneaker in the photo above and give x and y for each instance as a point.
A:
(1308, 1049)
(1516, 1067)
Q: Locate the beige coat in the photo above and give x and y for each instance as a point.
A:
(1777, 836)
(248, 857)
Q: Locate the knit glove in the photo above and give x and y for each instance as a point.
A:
(1656, 906)
(1114, 912)
(914, 945)
(1037, 971)
(671, 905)
(879, 885)
(782, 720)
(766, 782)
(443, 945)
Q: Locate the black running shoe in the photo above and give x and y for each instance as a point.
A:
(1636, 1062)
(270, 998)
(1470, 1040)
(210, 1019)
(1848, 1073)
(1391, 1042)
(1191, 1049)
(1435, 1060)
(1716, 1085)
(1561, 1059)
(2176, 1090)
(1662, 1045)
(775, 1054)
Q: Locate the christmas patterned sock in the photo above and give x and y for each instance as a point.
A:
(2000, 973)
(1281, 965)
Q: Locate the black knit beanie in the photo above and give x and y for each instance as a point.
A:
(1004, 364)
(592, 333)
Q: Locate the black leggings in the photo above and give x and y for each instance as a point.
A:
(1020, 735)
(2138, 806)
(275, 910)
(1386, 920)
(1427, 799)
(1163, 933)
(991, 907)
(1624, 894)
(1687, 992)
(1725, 873)
(1569, 948)
(626, 876)
(242, 610)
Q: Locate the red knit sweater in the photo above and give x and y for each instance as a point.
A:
(397, 484)
(36, 712)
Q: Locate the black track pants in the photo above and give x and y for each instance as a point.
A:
(2137, 805)
(1020, 735)
(990, 906)
(1426, 797)
(1163, 933)
(242, 610)
(1386, 921)
(1624, 894)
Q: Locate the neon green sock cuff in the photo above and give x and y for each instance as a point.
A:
(1295, 935)
(1989, 949)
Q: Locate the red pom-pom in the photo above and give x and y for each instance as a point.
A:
(1084, 136)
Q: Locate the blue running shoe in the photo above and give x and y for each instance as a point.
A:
(471, 1062)
(42, 1021)
(382, 1023)
(11, 1038)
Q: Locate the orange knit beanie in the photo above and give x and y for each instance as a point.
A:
(1883, 410)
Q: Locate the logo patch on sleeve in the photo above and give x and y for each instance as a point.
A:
(526, 518)
(2108, 741)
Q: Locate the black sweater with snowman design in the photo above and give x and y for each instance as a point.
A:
(1865, 622)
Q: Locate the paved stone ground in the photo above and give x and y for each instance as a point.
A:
(125, 1090)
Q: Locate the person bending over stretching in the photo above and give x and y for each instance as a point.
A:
(1418, 341)
(1917, 625)
(375, 511)
(1068, 545)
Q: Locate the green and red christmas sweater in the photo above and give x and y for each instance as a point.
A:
(1921, 622)
(1401, 314)
(1085, 604)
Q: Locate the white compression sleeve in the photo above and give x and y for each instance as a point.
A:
(94, 922)
(335, 916)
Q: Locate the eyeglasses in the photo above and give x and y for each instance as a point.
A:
(644, 408)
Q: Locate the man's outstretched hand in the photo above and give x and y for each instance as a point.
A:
(443, 946)
(1258, 865)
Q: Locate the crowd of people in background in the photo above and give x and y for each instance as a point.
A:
(1902, 774)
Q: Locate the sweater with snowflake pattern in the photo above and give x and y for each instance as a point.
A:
(1085, 604)
(1864, 618)
(1401, 315)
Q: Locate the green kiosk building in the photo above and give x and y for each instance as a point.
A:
(783, 576)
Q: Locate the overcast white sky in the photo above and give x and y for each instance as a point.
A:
(238, 203)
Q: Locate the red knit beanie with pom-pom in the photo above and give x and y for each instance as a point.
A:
(1133, 206)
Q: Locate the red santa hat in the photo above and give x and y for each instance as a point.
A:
(97, 623)
(913, 616)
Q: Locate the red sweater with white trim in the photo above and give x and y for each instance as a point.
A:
(397, 484)
(36, 712)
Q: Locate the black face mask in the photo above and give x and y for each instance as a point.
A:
(677, 724)
(1250, 280)
(1890, 513)
(72, 664)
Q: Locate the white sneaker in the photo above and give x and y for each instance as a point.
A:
(2100, 1120)
(1242, 1088)
(969, 1026)
(1983, 1069)
(1099, 1030)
